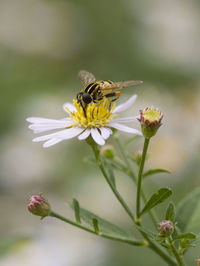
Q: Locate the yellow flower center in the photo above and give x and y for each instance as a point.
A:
(94, 115)
(152, 115)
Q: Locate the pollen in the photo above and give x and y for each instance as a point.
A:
(95, 115)
(152, 115)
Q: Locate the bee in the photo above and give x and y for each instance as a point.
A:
(95, 90)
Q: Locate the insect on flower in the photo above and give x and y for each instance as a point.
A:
(96, 120)
(95, 90)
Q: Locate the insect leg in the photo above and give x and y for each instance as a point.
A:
(116, 94)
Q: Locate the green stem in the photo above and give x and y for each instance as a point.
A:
(140, 172)
(175, 252)
(152, 245)
(128, 241)
(129, 171)
(118, 196)
(156, 248)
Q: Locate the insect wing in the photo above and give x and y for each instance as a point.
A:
(86, 77)
(120, 85)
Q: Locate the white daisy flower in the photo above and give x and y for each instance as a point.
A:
(97, 120)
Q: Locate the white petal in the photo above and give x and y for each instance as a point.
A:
(48, 128)
(51, 142)
(84, 135)
(124, 106)
(71, 108)
(97, 136)
(105, 132)
(36, 131)
(41, 120)
(54, 124)
(39, 126)
(63, 134)
(125, 119)
(125, 128)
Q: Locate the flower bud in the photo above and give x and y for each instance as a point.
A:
(108, 151)
(39, 206)
(137, 157)
(166, 228)
(150, 120)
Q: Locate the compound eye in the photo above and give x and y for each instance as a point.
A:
(87, 98)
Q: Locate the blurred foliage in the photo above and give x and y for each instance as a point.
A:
(13, 244)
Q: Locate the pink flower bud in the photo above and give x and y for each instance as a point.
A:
(39, 206)
(150, 120)
(166, 228)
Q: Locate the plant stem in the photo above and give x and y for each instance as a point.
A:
(140, 172)
(156, 248)
(129, 171)
(152, 244)
(125, 240)
(118, 196)
(175, 252)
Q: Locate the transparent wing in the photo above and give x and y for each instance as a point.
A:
(120, 85)
(86, 77)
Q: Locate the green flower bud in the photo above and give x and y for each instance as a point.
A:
(39, 206)
(108, 151)
(137, 157)
(166, 228)
(150, 120)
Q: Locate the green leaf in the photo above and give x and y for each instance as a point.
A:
(188, 212)
(170, 213)
(189, 236)
(104, 226)
(76, 211)
(187, 243)
(196, 240)
(161, 195)
(155, 171)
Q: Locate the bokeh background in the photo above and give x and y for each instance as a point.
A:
(43, 45)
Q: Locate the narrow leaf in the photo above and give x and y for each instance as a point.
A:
(104, 226)
(188, 236)
(161, 195)
(76, 210)
(155, 171)
(188, 212)
(170, 213)
(95, 225)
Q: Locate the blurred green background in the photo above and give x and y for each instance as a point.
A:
(43, 45)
